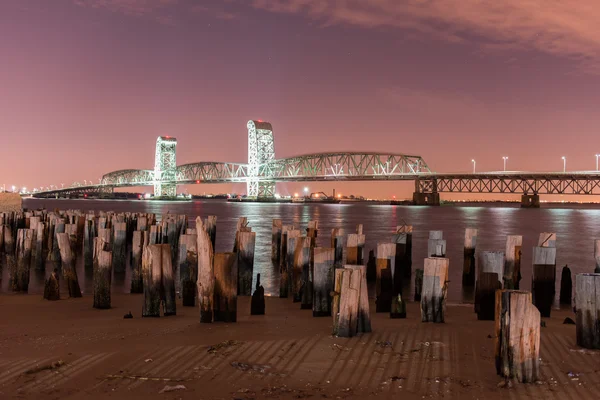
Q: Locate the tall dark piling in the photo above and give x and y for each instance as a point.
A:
(210, 225)
(139, 240)
(468, 277)
(544, 279)
(245, 264)
(489, 279)
(152, 276)
(301, 263)
(89, 233)
(337, 243)
(225, 305)
(286, 275)
(566, 286)
(52, 287)
(119, 247)
(206, 275)
(188, 269)
(20, 282)
(383, 286)
(276, 240)
(512, 263)
(102, 274)
(168, 281)
(403, 240)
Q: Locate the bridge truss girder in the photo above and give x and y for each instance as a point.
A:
(513, 183)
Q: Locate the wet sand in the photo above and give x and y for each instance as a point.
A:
(286, 354)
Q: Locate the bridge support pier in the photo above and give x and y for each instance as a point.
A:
(426, 199)
(530, 201)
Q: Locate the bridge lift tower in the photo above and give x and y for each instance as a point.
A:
(261, 149)
(165, 167)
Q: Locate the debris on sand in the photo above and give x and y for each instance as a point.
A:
(47, 367)
(383, 344)
(223, 345)
(172, 388)
(249, 367)
(129, 315)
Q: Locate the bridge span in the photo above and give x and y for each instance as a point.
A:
(263, 171)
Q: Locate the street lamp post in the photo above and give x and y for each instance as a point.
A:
(505, 158)
(473, 161)
(597, 155)
(564, 163)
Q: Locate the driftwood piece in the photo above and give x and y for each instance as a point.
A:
(517, 336)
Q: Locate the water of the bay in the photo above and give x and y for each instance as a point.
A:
(576, 228)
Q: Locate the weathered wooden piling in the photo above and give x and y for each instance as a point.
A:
(517, 336)
(468, 277)
(188, 269)
(257, 304)
(242, 226)
(210, 224)
(52, 287)
(152, 275)
(337, 243)
(20, 281)
(138, 242)
(225, 303)
(168, 281)
(102, 274)
(206, 275)
(489, 279)
(544, 279)
(54, 255)
(351, 310)
(68, 260)
(156, 234)
(587, 304)
(384, 286)
(9, 240)
(547, 239)
(119, 247)
(403, 240)
(142, 224)
(300, 266)
(307, 273)
(435, 287)
(566, 286)
(245, 264)
(512, 262)
(89, 233)
(323, 281)
(276, 240)
(286, 276)
(436, 246)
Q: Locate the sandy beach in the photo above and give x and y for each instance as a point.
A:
(285, 354)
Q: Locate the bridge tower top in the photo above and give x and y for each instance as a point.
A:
(261, 149)
(165, 166)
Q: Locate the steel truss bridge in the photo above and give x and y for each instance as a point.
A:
(263, 170)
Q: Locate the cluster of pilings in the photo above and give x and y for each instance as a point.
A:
(167, 257)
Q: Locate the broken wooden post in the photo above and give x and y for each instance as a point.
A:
(436, 246)
(517, 336)
(435, 287)
(351, 312)
(206, 275)
(300, 264)
(418, 284)
(337, 243)
(20, 281)
(38, 247)
(544, 279)
(138, 242)
(155, 234)
(188, 269)
(168, 281)
(119, 247)
(489, 275)
(587, 304)
(468, 277)
(323, 281)
(276, 240)
(54, 254)
(68, 260)
(512, 263)
(152, 273)
(257, 304)
(384, 286)
(303, 266)
(286, 278)
(245, 263)
(225, 305)
(102, 274)
(566, 286)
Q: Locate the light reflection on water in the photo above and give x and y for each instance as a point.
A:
(575, 227)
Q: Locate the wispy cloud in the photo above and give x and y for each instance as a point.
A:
(568, 28)
(129, 7)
